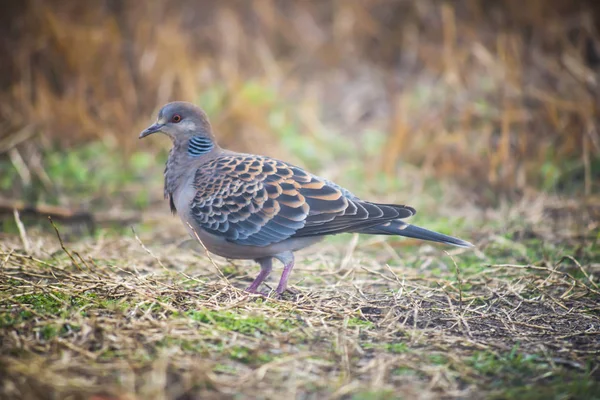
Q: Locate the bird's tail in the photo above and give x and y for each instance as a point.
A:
(401, 228)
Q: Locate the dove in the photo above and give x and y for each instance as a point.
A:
(245, 206)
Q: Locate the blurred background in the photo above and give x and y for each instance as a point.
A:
(495, 99)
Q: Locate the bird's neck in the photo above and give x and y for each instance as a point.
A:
(183, 163)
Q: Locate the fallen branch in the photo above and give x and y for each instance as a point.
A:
(65, 214)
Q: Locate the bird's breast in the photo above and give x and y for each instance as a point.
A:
(183, 196)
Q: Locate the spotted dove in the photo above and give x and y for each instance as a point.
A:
(244, 206)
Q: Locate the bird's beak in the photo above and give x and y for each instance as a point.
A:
(151, 129)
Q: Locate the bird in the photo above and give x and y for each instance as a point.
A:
(253, 207)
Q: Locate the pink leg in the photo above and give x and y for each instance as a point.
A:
(287, 270)
(266, 265)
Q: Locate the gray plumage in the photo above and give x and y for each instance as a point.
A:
(245, 206)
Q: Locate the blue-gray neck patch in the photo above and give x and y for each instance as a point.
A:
(199, 145)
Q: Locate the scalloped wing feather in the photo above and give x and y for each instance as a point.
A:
(257, 201)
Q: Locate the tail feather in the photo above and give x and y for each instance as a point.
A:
(401, 228)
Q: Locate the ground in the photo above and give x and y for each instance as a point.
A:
(482, 116)
(150, 316)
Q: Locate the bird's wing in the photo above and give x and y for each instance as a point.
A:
(258, 201)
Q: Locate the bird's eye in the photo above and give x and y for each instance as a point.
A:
(176, 118)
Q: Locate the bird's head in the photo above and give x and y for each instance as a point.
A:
(181, 121)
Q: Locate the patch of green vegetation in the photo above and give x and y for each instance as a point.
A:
(438, 359)
(361, 323)
(9, 226)
(529, 376)
(164, 299)
(229, 270)
(510, 250)
(115, 304)
(538, 250)
(47, 303)
(245, 324)
(369, 345)
(203, 345)
(246, 355)
(576, 388)
(513, 369)
(9, 175)
(225, 369)
(190, 283)
(97, 167)
(10, 319)
(111, 354)
(406, 371)
(468, 264)
(187, 345)
(397, 348)
(513, 248)
(54, 304)
(50, 331)
(374, 395)
(83, 173)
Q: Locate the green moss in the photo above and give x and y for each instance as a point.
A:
(405, 371)
(54, 304)
(438, 359)
(397, 348)
(361, 323)
(10, 319)
(374, 395)
(114, 304)
(245, 324)
(14, 282)
(45, 304)
(248, 356)
(513, 368)
(110, 354)
(225, 369)
(186, 345)
(203, 346)
(229, 270)
(48, 332)
(572, 388)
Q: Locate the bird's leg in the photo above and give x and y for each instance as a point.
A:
(288, 263)
(266, 265)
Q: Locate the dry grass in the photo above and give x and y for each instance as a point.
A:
(109, 318)
(502, 94)
(502, 97)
